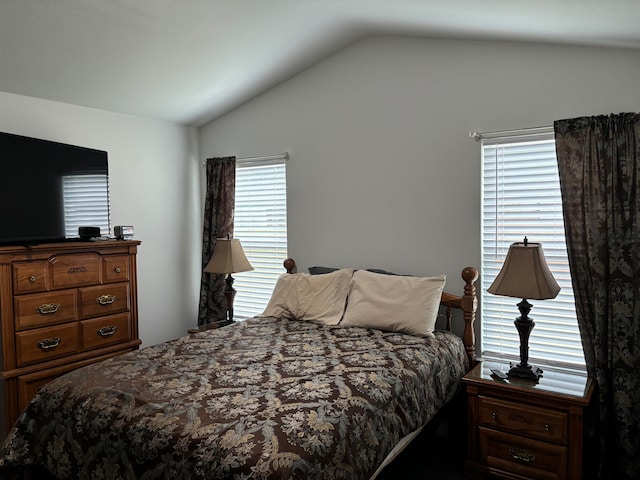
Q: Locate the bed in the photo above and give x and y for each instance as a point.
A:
(307, 390)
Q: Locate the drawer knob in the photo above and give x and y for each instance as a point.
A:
(522, 454)
(32, 278)
(48, 308)
(49, 343)
(117, 270)
(547, 427)
(106, 299)
(494, 415)
(107, 331)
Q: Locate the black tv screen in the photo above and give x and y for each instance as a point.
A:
(48, 189)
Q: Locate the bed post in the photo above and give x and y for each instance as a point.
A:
(469, 304)
(289, 265)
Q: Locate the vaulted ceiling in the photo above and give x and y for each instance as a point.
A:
(190, 61)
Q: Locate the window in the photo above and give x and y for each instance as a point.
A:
(86, 203)
(261, 225)
(521, 196)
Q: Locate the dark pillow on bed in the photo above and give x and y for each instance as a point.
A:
(384, 272)
(323, 270)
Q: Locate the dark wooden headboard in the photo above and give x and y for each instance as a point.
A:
(467, 303)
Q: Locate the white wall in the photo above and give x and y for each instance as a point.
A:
(382, 170)
(154, 181)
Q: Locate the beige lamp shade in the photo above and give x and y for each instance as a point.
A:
(228, 257)
(525, 274)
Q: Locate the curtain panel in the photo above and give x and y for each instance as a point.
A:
(218, 223)
(599, 167)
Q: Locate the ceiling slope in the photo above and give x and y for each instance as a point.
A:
(190, 61)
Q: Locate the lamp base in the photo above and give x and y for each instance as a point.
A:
(230, 294)
(528, 372)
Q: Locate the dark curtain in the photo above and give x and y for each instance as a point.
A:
(599, 166)
(218, 223)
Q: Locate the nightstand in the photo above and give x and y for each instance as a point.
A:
(521, 430)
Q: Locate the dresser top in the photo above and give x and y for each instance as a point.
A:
(553, 383)
(10, 253)
(61, 246)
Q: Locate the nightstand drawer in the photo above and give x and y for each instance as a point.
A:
(540, 423)
(522, 456)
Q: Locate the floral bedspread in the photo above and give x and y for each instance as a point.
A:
(263, 399)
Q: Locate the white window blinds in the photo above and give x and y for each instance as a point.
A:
(521, 196)
(261, 226)
(86, 203)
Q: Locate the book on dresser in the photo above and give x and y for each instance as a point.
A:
(62, 306)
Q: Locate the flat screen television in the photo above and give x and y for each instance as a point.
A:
(49, 189)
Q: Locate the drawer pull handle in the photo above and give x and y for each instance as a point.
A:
(32, 278)
(494, 415)
(547, 427)
(106, 299)
(117, 270)
(107, 331)
(49, 343)
(48, 308)
(522, 454)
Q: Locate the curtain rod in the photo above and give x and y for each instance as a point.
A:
(477, 136)
(261, 158)
(277, 156)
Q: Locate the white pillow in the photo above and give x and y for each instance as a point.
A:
(394, 302)
(317, 298)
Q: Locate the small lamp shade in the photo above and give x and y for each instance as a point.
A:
(228, 257)
(525, 274)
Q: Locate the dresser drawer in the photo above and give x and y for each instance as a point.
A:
(540, 423)
(30, 277)
(75, 270)
(102, 331)
(42, 344)
(29, 384)
(42, 309)
(115, 268)
(530, 458)
(104, 299)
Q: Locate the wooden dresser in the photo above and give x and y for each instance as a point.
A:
(520, 430)
(62, 306)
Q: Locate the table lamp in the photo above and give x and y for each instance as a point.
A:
(525, 274)
(228, 257)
